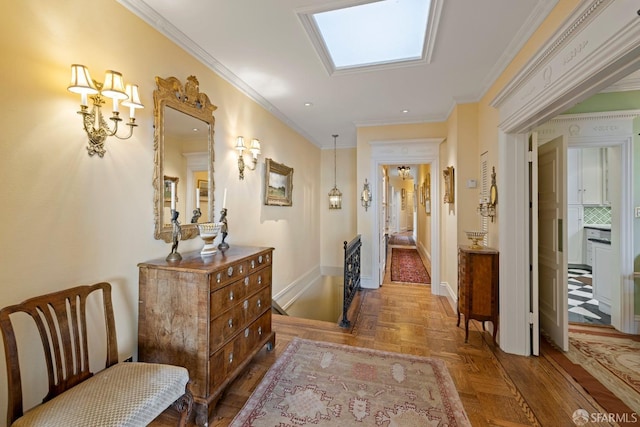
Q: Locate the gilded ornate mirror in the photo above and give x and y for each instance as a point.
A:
(183, 156)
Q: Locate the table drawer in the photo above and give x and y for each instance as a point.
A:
(230, 322)
(231, 355)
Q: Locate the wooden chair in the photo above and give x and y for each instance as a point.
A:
(123, 394)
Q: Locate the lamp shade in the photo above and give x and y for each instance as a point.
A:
(134, 97)
(113, 85)
(81, 81)
(240, 144)
(255, 147)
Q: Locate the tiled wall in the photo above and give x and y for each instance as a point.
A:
(597, 215)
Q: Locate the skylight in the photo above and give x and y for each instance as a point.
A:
(380, 32)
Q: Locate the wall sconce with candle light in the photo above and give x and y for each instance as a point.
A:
(487, 205)
(254, 148)
(365, 197)
(94, 122)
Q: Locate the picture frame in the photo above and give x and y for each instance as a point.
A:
(203, 190)
(449, 184)
(427, 194)
(278, 184)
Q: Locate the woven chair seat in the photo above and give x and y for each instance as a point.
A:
(125, 394)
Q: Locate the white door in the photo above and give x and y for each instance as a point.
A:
(552, 236)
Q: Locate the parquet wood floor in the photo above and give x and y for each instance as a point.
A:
(496, 389)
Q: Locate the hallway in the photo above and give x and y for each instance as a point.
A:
(495, 388)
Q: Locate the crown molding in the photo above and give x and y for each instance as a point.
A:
(596, 46)
(156, 21)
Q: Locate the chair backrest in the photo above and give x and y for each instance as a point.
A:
(61, 321)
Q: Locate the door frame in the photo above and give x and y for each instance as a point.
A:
(607, 129)
(597, 45)
(414, 151)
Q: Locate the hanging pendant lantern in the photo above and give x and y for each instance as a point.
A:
(335, 196)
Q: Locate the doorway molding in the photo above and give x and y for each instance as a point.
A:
(414, 151)
(597, 45)
(609, 128)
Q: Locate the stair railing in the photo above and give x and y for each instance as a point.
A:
(351, 276)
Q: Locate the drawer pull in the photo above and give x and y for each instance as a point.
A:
(230, 271)
(231, 323)
(259, 280)
(259, 330)
(241, 269)
(246, 281)
(230, 295)
(231, 357)
(267, 257)
(246, 333)
(218, 277)
(260, 259)
(259, 303)
(246, 304)
(253, 263)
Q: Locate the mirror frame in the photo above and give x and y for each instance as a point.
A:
(189, 100)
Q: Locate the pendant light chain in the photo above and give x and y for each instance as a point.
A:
(335, 173)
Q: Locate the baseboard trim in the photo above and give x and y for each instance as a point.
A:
(292, 292)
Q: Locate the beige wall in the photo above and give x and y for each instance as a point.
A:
(70, 219)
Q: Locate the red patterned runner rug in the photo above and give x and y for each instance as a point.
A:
(322, 384)
(406, 266)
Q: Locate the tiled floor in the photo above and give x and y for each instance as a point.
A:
(582, 307)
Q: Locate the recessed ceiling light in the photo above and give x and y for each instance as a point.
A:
(195, 129)
(308, 104)
(405, 111)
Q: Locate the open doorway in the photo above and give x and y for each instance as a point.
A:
(423, 153)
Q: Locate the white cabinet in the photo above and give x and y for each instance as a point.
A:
(585, 177)
(601, 274)
(575, 235)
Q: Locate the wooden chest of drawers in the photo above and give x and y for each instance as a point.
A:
(210, 315)
(478, 286)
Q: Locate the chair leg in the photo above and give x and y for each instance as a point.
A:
(184, 405)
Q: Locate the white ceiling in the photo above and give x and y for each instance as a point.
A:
(261, 47)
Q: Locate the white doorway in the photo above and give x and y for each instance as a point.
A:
(420, 151)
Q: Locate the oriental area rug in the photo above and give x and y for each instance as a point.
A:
(322, 384)
(406, 266)
(613, 360)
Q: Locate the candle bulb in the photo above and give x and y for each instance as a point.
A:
(197, 198)
(115, 105)
(224, 199)
(132, 113)
(83, 98)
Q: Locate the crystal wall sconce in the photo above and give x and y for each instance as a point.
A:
(94, 122)
(254, 148)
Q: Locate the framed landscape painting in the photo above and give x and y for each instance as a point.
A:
(278, 185)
